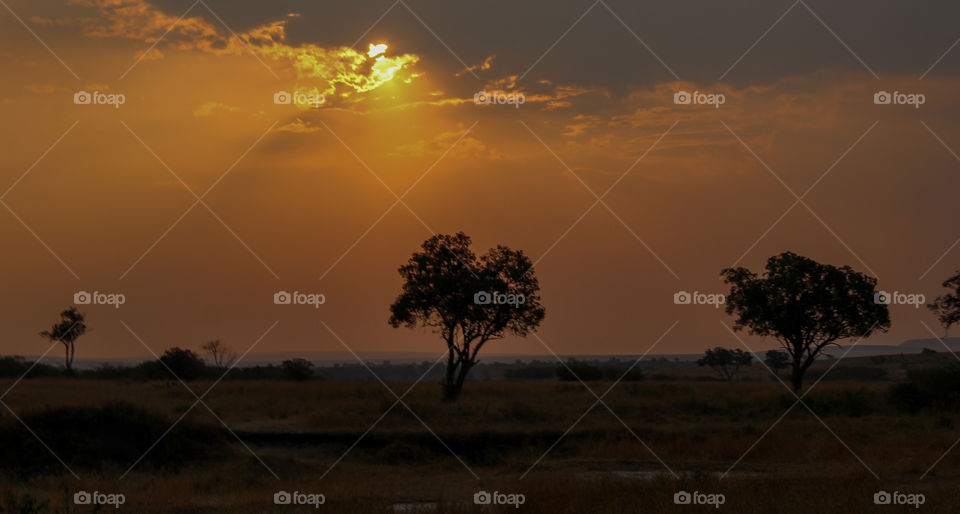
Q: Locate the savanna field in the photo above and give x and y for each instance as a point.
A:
(435, 257)
(498, 429)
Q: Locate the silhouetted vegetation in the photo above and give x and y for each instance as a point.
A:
(806, 306)
(219, 353)
(16, 366)
(71, 326)
(575, 369)
(777, 360)
(724, 361)
(947, 306)
(936, 389)
(297, 369)
(114, 434)
(532, 372)
(468, 299)
(859, 373)
(183, 364)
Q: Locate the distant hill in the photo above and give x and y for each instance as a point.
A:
(934, 344)
(321, 358)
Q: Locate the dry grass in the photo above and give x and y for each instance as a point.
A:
(500, 429)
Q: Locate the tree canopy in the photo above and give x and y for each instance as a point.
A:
(805, 306)
(467, 299)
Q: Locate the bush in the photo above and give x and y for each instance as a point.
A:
(114, 434)
(934, 389)
(840, 372)
(297, 369)
(575, 369)
(530, 373)
(150, 370)
(183, 363)
(15, 367)
(268, 372)
(590, 372)
(11, 367)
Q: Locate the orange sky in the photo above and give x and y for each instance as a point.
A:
(298, 195)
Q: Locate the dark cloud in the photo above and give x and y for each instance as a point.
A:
(699, 41)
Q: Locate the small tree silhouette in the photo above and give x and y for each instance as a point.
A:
(777, 360)
(219, 353)
(805, 305)
(71, 326)
(468, 299)
(947, 307)
(297, 369)
(724, 361)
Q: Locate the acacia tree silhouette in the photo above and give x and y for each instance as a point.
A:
(777, 360)
(724, 361)
(805, 305)
(467, 299)
(947, 307)
(219, 353)
(72, 325)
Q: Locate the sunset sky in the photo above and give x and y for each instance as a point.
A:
(305, 197)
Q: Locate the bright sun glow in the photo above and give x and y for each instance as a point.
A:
(376, 50)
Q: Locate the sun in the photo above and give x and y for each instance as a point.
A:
(377, 49)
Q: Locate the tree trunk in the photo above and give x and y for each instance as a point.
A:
(456, 375)
(464, 369)
(66, 356)
(450, 391)
(796, 378)
(449, 384)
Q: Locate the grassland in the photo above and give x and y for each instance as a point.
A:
(808, 462)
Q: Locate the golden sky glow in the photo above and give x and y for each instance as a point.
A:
(300, 190)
